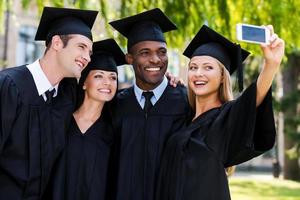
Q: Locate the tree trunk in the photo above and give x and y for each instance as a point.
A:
(291, 76)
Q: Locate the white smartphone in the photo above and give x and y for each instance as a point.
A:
(252, 34)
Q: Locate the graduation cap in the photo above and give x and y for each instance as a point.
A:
(146, 26)
(63, 21)
(107, 55)
(210, 43)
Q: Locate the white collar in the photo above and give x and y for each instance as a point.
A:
(40, 79)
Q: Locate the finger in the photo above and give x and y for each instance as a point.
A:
(167, 74)
(270, 27)
(277, 42)
(273, 37)
(273, 40)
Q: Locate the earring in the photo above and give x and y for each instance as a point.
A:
(84, 87)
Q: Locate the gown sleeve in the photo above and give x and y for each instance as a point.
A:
(8, 107)
(243, 131)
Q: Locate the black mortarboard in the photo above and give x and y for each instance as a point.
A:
(63, 21)
(208, 42)
(107, 55)
(146, 26)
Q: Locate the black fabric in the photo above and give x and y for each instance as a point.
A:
(64, 21)
(148, 104)
(141, 140)
(146, 26)
(49, 95)
(193, 163)
(32, 133)
(84, 165)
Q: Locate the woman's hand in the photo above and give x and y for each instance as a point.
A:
(273, 52)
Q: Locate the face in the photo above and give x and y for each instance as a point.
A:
(204, 76)
(150, 62)
(100, 85)
(75, 56)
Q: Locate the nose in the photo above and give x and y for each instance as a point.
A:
(86, 56)
(199, 72)
(155, 58)
(106, 81)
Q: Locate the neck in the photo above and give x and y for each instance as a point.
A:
(90, 110)
(147, 86)
(204, 104)
(51, 69)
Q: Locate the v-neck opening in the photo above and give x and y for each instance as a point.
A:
(87, 130)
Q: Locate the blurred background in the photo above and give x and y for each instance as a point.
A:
(19, 20)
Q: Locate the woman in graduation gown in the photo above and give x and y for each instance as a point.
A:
(223, 131)
(82, 173)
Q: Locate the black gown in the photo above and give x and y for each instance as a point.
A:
(194, 160)
(87, 157)
(141, 140)
(32, 133)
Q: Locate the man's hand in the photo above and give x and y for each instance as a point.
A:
(173, 80)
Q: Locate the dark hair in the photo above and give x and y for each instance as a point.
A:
(64, 38)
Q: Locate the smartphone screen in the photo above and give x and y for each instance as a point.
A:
(253, 34)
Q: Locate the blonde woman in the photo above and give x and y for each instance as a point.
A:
(223, 131)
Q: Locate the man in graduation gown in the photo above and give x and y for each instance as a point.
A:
(36, 103)
(150, 111)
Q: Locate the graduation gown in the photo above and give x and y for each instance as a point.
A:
(142, 139)
(31, 133)
(194, 160)
(87, 157)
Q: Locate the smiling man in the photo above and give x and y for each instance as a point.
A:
(36, 104)
(148, 113)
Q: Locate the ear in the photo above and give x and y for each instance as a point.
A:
(129, 58)
(56, 42)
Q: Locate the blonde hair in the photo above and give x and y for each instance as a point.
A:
(225, 94)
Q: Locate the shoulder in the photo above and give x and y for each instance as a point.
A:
(177, 93)
(125, 93)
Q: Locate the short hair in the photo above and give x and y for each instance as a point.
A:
(64, 38)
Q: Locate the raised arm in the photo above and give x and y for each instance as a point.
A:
(273, 54)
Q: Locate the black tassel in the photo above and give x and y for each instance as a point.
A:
(240, 73)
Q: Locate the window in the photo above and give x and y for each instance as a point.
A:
(28, 50)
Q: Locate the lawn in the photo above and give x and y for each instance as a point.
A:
(259, 189)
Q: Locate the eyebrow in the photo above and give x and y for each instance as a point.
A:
(91, 52)
(112, 73)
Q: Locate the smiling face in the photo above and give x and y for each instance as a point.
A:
(75, 56)
(100, 85)
(205, 76)
(150, 62)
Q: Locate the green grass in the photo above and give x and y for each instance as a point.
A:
(260, 189)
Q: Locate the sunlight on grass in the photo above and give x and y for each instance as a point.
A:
(257, 189)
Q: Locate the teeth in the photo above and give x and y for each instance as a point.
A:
(104, 90)
(80, 64)
(200, 82)
(153, 69)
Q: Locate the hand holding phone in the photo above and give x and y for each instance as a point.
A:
(253, 34)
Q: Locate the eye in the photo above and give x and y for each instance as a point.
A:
(208, 67)
(81, 47)
(114, 78)
(193, 68)
(144, 53)
(98, 76)
(162, 52)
